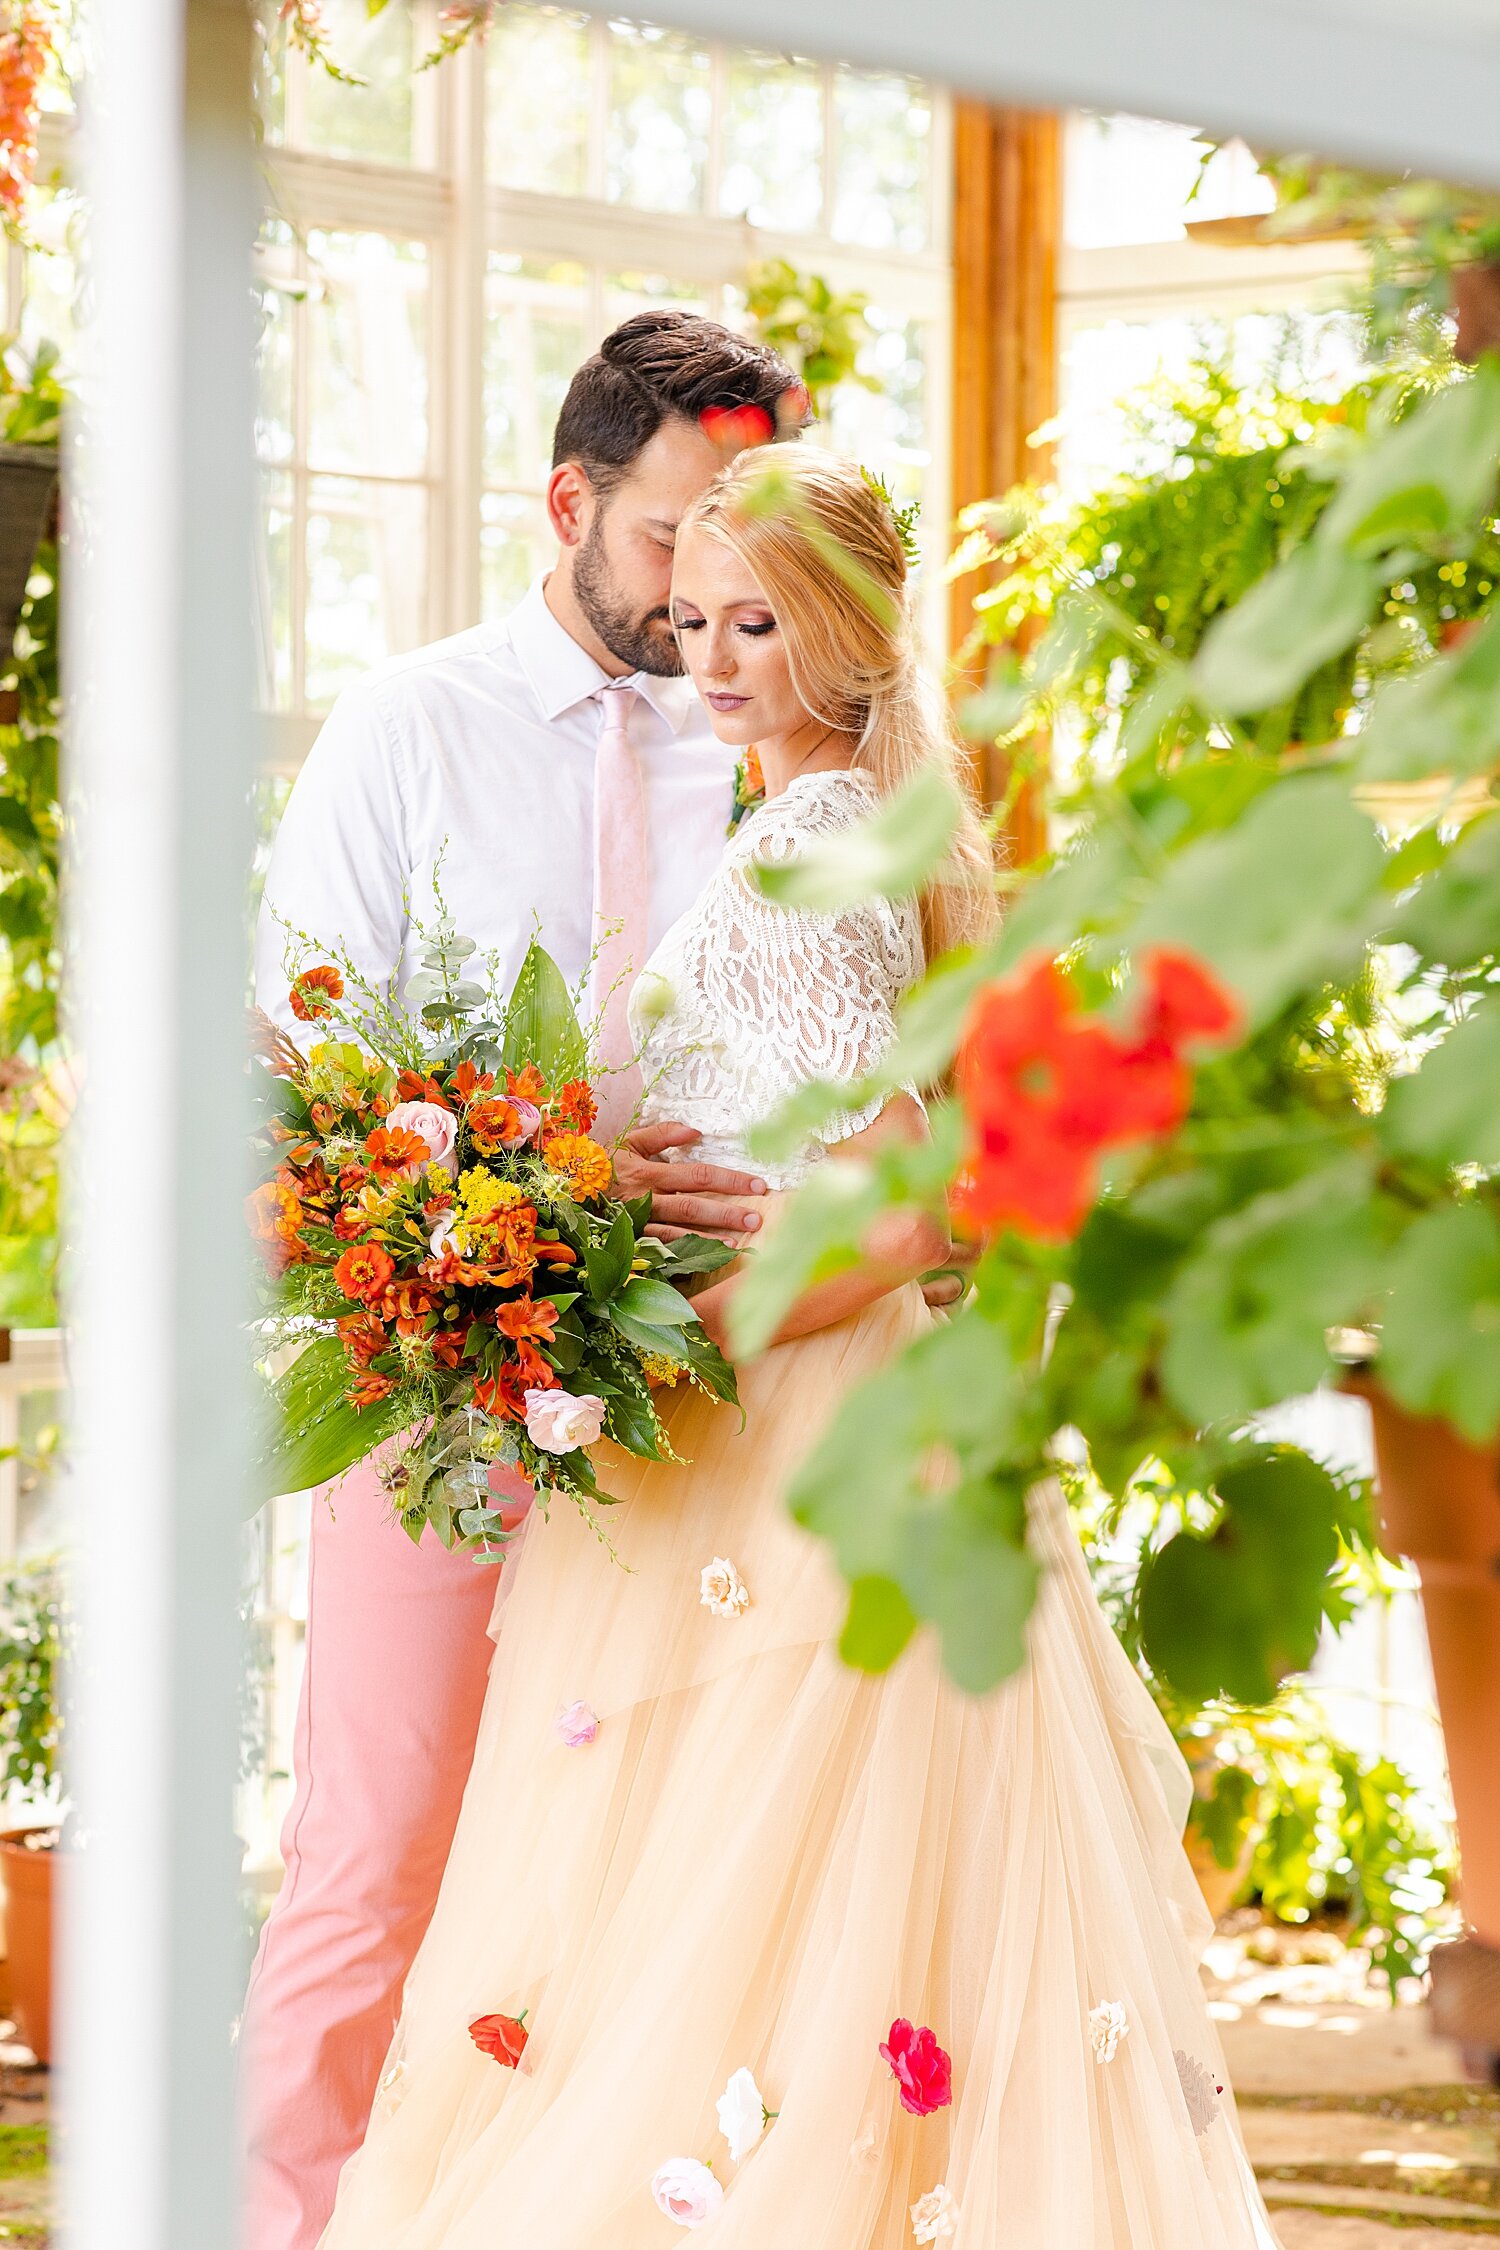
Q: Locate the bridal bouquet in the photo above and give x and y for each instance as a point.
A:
(443, 1255)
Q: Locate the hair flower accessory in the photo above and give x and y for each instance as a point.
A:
(722, 1589)
(923, 2072)
(934, 2217)
(904, 519)
(1108, 2025)
(686, 2191)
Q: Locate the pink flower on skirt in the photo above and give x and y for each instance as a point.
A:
(577, 1725)
(922, 2071)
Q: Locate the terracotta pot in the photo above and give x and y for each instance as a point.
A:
(1439, 1499)
(27, 1874)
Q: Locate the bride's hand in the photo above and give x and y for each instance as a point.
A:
(686, 1198)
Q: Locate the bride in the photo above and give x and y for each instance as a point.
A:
(815, 1959)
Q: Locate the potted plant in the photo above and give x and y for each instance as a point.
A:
(31, 1615)
(1226, 1107)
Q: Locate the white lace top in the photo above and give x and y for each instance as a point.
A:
(744, 1001)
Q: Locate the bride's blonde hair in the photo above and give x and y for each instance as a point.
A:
(823, 546)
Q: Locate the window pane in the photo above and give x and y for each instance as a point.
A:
(537, 320)
(366, 580)
(270, 76)
(883, 192)
(275, 296)
(274, 595)
(1128, 179)
(368, 343)
(659, 105)
(375, 121)
(49, 302)
(537, 76)
(773, 142)
(627, 293)
(887, 428)
(515, 547)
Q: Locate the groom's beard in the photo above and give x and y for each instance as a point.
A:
(645, 644)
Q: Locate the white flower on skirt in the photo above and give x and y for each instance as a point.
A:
(1200, 2090)
(743, 2115)
(686, 2191)
(935, 2216)
(722, 1589)
(1108, 2025)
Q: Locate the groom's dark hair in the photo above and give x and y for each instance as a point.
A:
(658, 364)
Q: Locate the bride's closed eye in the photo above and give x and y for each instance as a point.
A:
(753, 630)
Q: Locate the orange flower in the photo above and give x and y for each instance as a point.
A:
(467, 1081)
(536, 1373)
(527, 1085)
(314, 993)
(733, 428)
(412, 1087)
(521, 1317)
(495, 1125)
(370, 1390)
(502, 1394)
(582, 1164)
(364, 1271)
(270, 1042)
(409, 1304)
(575, 1104)
(449, 1345)
(275, 1215)
(364, 1337)
(395, 1155)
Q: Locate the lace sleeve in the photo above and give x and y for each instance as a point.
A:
(802, 995)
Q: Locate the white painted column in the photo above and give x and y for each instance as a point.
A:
(160, 660)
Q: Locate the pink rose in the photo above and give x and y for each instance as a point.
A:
(560, 1423)
(923, 2072)
(530, 1118)
(577, 1725)
(434, 1126)
(686, 2191)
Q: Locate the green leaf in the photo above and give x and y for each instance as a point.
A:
(889, 854)
(1440, 1339)
(1240, 898)
(541, 1026)
(1223, 1818)
(1247, 1314)
(656, 1304)
(1431, 474)
(631, 1422)
(1233, 1613)
(1084, 891)
(28, 1280)
(819, 1238)
(313, 1433)
(965, 1567)
(880, 1623)
(1454, 916)
(1308, 609)
(1444, 719)
(696, 1253)
(608, 1262)
(1448, 1111)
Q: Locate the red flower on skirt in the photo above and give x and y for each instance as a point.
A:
(501, 2037)
(923, 2073)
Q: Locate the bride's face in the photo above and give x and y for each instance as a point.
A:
(731, 643)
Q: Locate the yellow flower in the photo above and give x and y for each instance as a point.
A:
(582, 1163)
(480, 1194)
(661, 1373)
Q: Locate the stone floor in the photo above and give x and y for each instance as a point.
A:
(1358, 2123)
(1360, 2127)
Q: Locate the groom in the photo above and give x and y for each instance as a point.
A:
(552, 774)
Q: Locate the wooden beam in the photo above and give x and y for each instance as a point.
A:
(1007, 234)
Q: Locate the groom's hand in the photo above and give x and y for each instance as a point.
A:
(686, 1198)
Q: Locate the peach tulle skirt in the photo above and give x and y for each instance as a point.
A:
(761, 1860)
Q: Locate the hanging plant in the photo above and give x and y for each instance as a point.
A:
(818, 330)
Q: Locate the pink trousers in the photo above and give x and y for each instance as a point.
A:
(397, 1656)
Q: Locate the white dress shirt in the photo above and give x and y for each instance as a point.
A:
(480, 750)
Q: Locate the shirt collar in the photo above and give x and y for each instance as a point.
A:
(562, 675)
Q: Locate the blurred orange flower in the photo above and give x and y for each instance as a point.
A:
(314, 992)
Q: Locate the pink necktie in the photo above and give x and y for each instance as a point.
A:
(620, 908)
